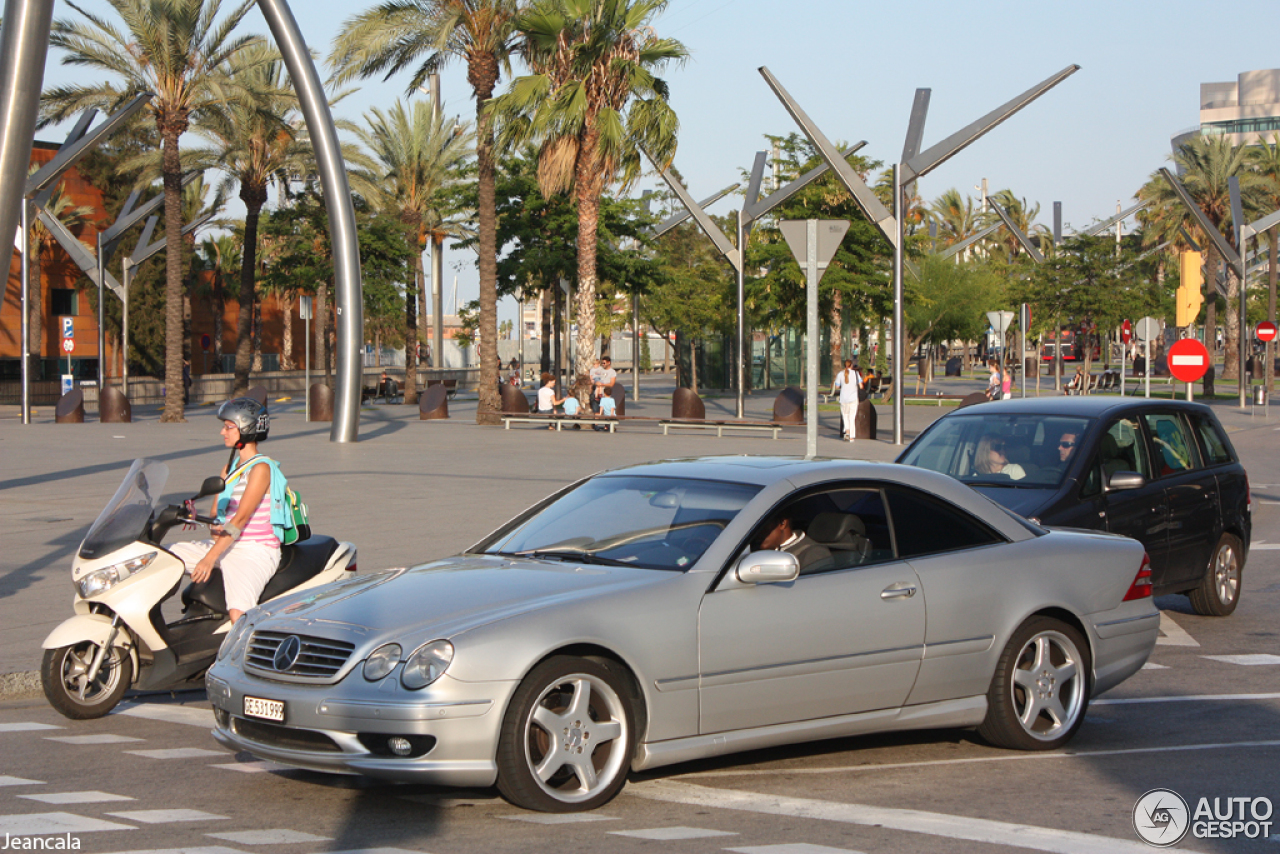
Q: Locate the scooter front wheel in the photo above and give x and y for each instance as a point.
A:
(65, 677)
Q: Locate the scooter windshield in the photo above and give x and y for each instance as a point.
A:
(126, 515)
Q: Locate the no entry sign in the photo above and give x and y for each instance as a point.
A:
(1188, 360)
(1266, 331)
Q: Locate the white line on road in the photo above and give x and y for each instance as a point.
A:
(1004, 757)
(1172, 634)
(190, 715)
(979, 830)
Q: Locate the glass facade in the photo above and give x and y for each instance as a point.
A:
(1264, 124)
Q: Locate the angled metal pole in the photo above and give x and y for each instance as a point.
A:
(899, 314)
(683, 216)
(68, 155)
(1021, 236)
(1107, 223)
(26, 313)
(970, 240)
(1238, 225)
(342, 217)
(757, 209)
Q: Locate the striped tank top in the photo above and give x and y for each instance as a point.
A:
(258, 529)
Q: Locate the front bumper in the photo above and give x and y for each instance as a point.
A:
(452, 727)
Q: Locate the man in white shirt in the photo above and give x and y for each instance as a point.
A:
(604, 382)
(848, 382)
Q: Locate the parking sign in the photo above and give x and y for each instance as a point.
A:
(68, 328)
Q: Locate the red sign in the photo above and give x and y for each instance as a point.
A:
(1126, 332)
(1266, 331)
(68, 344)
(1188, 360)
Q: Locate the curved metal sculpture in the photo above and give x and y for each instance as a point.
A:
(24, 41)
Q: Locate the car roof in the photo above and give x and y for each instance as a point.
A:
(1084, 406)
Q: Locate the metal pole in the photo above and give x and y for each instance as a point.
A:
(742, 314)
(1146, 375)
(306, 365)
(437, 261)
(26, 312)
(1243, 324)
(125, 274)
(342, 219)
(102, 338)
(811, 345)
(899, 332)
(1022, 348)
(24, 41)
(635, 346)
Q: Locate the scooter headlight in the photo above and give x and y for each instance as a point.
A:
(427, 664)
(383, 660)
(104, 579)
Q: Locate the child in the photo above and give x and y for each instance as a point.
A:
(608, 409)
(571, 408)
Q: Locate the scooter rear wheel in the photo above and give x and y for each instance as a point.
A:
(64, 675)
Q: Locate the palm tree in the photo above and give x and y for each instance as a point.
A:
(956, 217)
(481, 33)
(40, 242)
(1206, 164)
(592, 103)
(1023, 214)
(418, 157)
(221, 257)
(1264, 158)
(177, 49)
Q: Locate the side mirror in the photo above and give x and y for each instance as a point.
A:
(767, 567)
(211, 486)
(1122, 480)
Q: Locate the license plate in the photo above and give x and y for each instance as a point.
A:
(272, 710)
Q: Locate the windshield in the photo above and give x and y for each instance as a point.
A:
(652, 522)
(125, 517)
(1024, 450)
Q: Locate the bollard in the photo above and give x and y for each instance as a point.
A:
(114, 407)
(320, 398)
(70, 409)
(434, 403)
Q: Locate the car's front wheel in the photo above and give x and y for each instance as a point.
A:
(568, 737)
(1219, 590)
(1040, 689)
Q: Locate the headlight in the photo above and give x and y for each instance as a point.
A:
(427, 664)
(238, 632)
(104, 579)
(382, 662)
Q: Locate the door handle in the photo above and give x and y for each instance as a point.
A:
(898, 591)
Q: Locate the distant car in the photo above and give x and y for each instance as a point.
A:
(1162, 472)
(635, 619)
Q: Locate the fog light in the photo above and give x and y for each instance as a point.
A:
(399, 746)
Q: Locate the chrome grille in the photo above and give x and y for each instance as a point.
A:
(318, 658)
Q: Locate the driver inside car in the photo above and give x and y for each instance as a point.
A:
(781, 534)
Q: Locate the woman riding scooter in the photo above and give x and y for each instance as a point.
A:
(244, 544)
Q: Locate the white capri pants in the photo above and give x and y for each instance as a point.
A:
(848, 414)
(246, 568)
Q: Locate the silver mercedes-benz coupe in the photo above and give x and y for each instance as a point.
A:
(676, 610)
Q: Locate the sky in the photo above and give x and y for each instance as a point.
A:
(854, 67)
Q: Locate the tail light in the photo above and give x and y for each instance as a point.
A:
(351, 567)
(1141, 586)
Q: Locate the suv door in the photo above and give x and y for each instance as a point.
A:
(1137, 513)
(1191, 495)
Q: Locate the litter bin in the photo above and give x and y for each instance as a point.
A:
(1260, 395)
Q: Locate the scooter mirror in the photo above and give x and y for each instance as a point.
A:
(211, 486)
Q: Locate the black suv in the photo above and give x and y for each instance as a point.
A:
(1162, 472)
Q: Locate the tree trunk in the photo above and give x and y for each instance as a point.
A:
(170, 130)
(286, 335)
(254, 197)
(546, 333)
(482, 74)
(219, 309)
(1231, 368)
(35, 315)
(411, 334)
(588, 182)
(320, 331)
(1211, 301)
(257, 336)
(836, 347)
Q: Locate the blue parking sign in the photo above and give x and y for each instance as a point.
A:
(68, 328)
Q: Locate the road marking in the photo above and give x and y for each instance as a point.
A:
(256, 767)
(792, 848)
(104, 738)
(176, 753)
(210, 849)
(1249, 660)
(985, 831)
(268, 837)
(1266, 547)
(672, 834)
(1151, 665)
(54, 823)
(971, 760)
(1186, 698)
(558, 818)
(1172, 634)
(19, 781)
(76, 797)
(169, 714)
(166, 816)
(25, 726)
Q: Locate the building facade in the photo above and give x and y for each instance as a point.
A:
(1246, 110)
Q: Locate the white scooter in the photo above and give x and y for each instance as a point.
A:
(118, 638)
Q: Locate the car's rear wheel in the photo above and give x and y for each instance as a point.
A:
(1040, 689)
(568, 737)
(1219, 590)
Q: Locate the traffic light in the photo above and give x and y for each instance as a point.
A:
(1188, 299)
